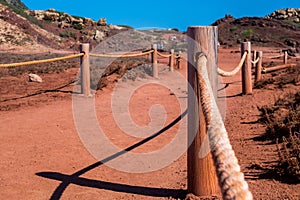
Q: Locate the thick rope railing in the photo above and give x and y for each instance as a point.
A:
(40, 61)
(236, 70)
(255, 61)
(121, 55)
(164, 56)
(231, 179)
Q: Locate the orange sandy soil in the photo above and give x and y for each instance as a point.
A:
(43, 157)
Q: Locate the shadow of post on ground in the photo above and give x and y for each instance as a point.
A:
(75, 178)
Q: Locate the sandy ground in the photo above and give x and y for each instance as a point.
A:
(44, 156)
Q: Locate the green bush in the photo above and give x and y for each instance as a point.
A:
(67, 34)
(246, 34)
(78, 26)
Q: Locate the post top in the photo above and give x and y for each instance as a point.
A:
(194, 27)
(154, 46)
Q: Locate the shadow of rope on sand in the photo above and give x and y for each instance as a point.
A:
(75, 179)
(43, 92)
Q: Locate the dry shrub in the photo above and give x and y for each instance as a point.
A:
(283, 126)
(289, 156)
(281, 78)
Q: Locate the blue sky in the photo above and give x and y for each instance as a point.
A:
(163, 14)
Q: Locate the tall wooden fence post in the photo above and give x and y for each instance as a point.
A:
(85, 70)
(246, 69)
(202, 179)
(154, 61)
(171, 61)
(258, 67)
(285, 58)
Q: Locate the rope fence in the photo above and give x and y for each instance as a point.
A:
(231, 179)
(85, 69)
(40, 61)
(121, 55)
(235, 70)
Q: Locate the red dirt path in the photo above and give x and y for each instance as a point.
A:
(40, 146)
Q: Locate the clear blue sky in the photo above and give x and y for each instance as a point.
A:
(163, 14)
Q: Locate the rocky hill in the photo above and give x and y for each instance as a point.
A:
(28, 30)
(279, 29)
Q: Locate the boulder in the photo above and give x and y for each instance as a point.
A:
(99, 35)
(88, 22)
(35, 78)
(102, 22)
(51, 16)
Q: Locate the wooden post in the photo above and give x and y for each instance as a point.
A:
(171, 60)
(202, 179)
(285, 57)
(258, 67)
(278, 67)
(254, 58)
(85, 70)
(154, 61)
(246, 69)
(179, 60)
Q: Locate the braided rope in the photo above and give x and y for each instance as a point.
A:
(40, 61)
(164, 56)
(120, 55)
(236, 70)
(231, 179)
(255, 61)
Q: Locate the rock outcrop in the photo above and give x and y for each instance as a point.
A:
(89, 29)
(291, 14)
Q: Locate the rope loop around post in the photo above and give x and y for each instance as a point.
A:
(255, 61)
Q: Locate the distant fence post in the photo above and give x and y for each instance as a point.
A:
(171, 60)
(85, 70)
(258, 67)
(202, 179)
(285, 58)
(246, 69)
(154, 61)
(179, 59)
